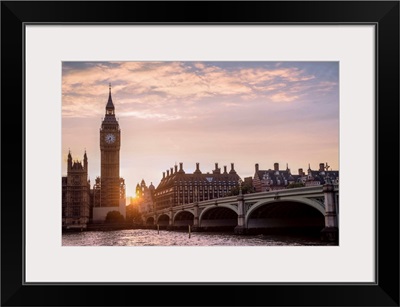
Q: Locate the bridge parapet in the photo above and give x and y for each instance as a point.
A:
(286, 192)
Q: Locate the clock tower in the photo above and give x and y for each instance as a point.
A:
(110, 143)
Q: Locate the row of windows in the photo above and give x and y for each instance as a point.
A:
(200, 189)
(205, 182)
(167, 203)
(202, 193)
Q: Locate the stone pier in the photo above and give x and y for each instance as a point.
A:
(241, 229)
(331, 231)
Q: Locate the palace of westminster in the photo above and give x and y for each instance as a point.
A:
(83, 204)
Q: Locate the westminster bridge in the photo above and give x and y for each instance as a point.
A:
(314, 207)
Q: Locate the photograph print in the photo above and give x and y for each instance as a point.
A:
(229, 153)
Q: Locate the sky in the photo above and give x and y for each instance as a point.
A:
(203, 112)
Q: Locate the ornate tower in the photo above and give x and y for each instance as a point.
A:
(76, 194)
(110, 143)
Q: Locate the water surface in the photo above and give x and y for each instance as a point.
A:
(150, 237)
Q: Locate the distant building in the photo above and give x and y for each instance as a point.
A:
(320, 176)
(178, 187)
(272, 179)
(278, 179)
(144, 197)
(76, 194)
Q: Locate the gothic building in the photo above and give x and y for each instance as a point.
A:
(76, 194)
(110, 144)
(109, 189)
(178, 187)
(145, 197)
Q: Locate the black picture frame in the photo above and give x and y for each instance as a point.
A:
(383, 14)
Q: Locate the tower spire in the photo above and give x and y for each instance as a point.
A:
(69, 162)
(110, 105)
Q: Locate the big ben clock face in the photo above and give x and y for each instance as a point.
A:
(110, 138)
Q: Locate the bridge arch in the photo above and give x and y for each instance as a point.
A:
(218, 216)
(163, 219)
(183, 218)
(285, 212)
(306, 201)
(150, 221)
(229, 206)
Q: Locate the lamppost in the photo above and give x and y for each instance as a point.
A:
(170, 213)
(328, 179)
(240, 186)
(240, 228)
(331, 230)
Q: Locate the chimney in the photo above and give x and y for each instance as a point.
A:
(321, 167)
(176, 168)
(232, 171)
(172, 170)
(217, 170)
(163, 175)
(276, 166)
(167, 173)
(301, 172)
(257, 168)
(197, 171)
(225, 169)
(180, 166)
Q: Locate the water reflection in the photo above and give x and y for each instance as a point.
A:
(149, 237)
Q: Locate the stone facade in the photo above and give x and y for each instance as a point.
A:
(110, 144)
(109, 189)
(76, 194)
(178, 187)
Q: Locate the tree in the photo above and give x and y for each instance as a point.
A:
(295, 185)
(114, 217)
(133, 214)
(246, 189)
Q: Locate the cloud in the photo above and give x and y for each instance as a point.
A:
(187, 111)
(283, 97)
(148, 115)
(159, 87)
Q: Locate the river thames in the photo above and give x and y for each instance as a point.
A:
(150, 237)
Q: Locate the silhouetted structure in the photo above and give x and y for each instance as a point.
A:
(145, 197)
(76, 194)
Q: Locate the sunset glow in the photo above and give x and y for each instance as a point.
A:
(206, 112)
